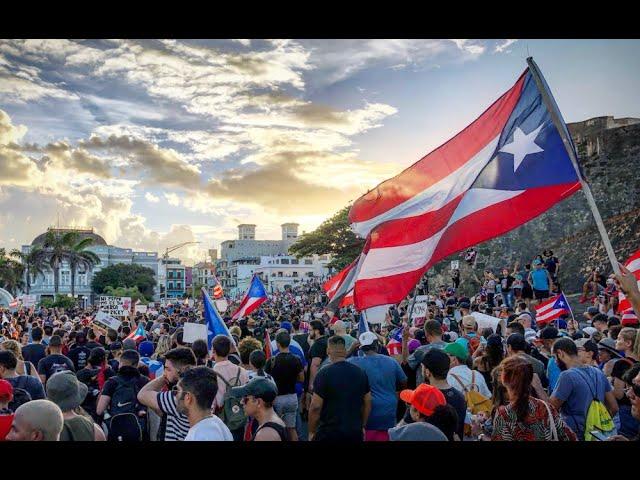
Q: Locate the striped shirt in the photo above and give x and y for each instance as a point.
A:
(177, 423)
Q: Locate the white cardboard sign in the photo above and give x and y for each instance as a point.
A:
(487, 321)
(106, 321)
(115, 306)
(141, 308)
(222, 305)
(420, 307)
(193, 332)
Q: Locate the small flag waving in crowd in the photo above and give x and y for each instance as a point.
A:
(394, 347)
(633, 264)
(512, 158)
(213, 320)
(551, 309)
(217, 290)
(255, 296)
(138, 334)
(267, 345)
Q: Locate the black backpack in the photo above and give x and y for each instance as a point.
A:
(124, 423)
(20, 394)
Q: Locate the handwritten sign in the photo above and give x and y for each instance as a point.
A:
(455, 264)
(420, 307)
(115, 306)
(141, 308)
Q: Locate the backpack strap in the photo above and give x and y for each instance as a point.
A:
(27, 367)
(229, 384)
(593, 394)
(460, 382)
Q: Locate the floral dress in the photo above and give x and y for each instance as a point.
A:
(535, 427)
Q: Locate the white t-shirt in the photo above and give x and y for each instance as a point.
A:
(210, 429)
(465, 375)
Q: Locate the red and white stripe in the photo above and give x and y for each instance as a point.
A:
(545, 312)
(429, 211)
(248, 305)
(629, 318)
(633, 264)
(394, 347)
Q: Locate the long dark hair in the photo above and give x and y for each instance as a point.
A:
(517, 374)
(493, 354)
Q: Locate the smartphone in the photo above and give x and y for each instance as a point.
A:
(601, 436)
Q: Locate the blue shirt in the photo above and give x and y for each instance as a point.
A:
(384, 375)
(539, 279)
(578, 387)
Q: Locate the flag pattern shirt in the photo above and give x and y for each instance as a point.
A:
(507, 167)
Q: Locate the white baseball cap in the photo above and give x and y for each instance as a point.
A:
(367, 338)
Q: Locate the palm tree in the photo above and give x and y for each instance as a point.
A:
(57, 247)
(33, 263)
(10, 273)
(79, 256)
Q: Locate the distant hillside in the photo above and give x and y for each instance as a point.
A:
(609, 154)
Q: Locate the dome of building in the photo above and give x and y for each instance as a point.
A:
(82, 234)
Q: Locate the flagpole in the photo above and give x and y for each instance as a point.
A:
(556, 116)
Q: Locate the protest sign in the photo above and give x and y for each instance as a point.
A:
(141, 308)
(487, 321)
(115, 306)
(455, 264)
(28, 301)
(420, 307)
(222, 305)
(193, 332)
(106, 321)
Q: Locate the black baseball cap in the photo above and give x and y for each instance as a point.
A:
(259, 387)
(549, 333)
(115, 346)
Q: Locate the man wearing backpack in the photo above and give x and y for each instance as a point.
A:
(25, 387)
(579, 390)
(119, 398)
(470, 337)
(227, 407)
(54, 362)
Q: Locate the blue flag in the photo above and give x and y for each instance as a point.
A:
(363, 326)
(215, 324)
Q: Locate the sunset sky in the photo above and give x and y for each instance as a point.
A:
(156, 142)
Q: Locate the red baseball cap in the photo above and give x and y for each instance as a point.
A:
(6, 391)
(425, 398)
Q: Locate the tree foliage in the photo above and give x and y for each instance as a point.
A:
(125, 275)
(11, 273)
(132, 292)
(334, 236)
(61, 301)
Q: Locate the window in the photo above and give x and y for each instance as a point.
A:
(295, 274)
(309, 274)
(294, 261)
(82, 279)
(284, 261)
(179, 285)
(231, 245)
(65, 277)
(279, 274)
(170, 287)
(308, 261)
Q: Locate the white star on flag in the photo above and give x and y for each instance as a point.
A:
(522, 145)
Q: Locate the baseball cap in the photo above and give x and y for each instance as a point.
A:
(465, 305)
(517, 342)
(146, 348)
(115, 346)
(367, 338)
(437, 362)
(6, 391)
(589, 330)
(259, 387)
(592, 311)
(457, 350)
(609, 344)
(549, 333)
(425, 398)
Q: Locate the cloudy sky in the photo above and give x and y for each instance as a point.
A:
(156, 142)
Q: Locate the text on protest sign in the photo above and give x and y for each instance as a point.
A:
(106, 321)
(420, 307)
(115, 306)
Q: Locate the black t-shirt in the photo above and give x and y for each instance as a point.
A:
(301, 338)
(319, 349)
(79, 356)
(89, 376)
(284, 368)
(457, 401)
(505, 283)
(92, 345)
(33, 353)
(342, 387)
(54, 363)
(550, 264)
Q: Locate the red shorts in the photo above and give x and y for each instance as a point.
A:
(376, 436)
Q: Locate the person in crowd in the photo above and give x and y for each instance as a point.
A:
(460, 376)
(422, 404)
(54, 362)
(386, 378)
(201, 351)
(35, 351)
(68, 393)
(23, 367)
(526, 418)
(506, 286)
(470, 337)
(258, 397)
(627, 339)
(317, 352)
(37, 421)
(517, 345)
(433, 334)
(435, 367)
(286, 369)
(577, 386)
(163, 346)
(6, 413)
(79, 352)
(341, 400)
(94, 376)
(26, 383)
(541, 281)
(587, 351)
(245, 347)
(159, 395)
(195, 393)
(228, 375)
(489, 358)
(340, 328)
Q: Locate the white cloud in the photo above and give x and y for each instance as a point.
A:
(470, 46)
(151, 198)
(501, 47)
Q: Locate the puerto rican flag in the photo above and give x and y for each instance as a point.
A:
(633, 264)
(551, 309)
(506, 168)
(629, 318)
(394, 347)
(339, 288)
(255, 296)
(138, 334)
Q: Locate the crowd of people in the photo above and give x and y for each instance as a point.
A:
(295, 371)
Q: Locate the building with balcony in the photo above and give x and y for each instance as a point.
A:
(172, 278)
(43, 286)
(204, 274)
(282, 271)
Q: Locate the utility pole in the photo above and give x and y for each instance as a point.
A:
(165, 258)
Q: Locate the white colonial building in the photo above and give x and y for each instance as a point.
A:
(43, 286)
(281, 271)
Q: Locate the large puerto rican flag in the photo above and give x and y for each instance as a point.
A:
(507, 167)
(255, 296)
(633, 264)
